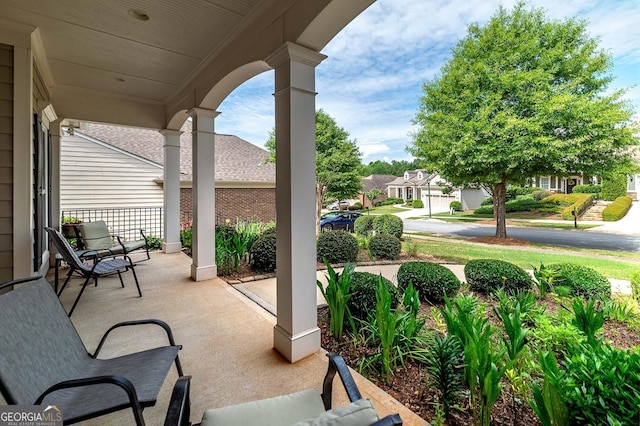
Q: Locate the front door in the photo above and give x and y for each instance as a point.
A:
(571, 182)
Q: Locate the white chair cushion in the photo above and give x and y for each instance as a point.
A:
(278, 411)
(358, 413)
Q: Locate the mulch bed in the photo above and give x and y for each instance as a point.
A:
(408, 385)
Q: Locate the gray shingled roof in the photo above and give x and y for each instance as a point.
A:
(236, 159)
(376, 181)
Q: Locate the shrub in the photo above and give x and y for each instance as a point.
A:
(514, 192)
(431, 280)
(540, 194)
(356, 206)
(364, 225)
(384, 246)
(578, 202)
(488, 275)
(617, 209)
(590, 385)
(587, 189)
(363, 294)
(583, 281)
(519, 205)
(487, 201)
(262, 257)
(337, 247)
(226, 232)
(614, 186)
(154, 243)
(388, 224)
(417, 204)
(456, 205)
(389, 201)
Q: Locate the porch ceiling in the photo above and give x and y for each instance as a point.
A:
(106, 51)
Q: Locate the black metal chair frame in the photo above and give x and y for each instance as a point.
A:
(76, 375)
(101, 267)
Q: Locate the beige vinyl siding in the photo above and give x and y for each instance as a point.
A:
(6, 162)
(93, 176)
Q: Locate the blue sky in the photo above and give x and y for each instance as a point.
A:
(371, 81)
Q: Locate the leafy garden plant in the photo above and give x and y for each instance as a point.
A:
(337, 295)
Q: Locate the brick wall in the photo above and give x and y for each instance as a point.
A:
(252, 204)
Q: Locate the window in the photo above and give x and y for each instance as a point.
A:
(544, 183)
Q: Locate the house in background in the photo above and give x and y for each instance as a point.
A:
(433, 190)
(374, 181)
(129, 174)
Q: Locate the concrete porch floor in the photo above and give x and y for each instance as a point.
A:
(227, 340)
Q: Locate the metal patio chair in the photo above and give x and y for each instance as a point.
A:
(102, 266)
(43, 360)
(304, 408)
(96, 236)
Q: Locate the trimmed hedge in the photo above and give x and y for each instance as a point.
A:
(431, 280)
(263, 252)
(385, 246)
(579, 202)
(364, 225)
(618, 209)
(362, 302)
(388, 224)
(520, 205)
(587, 189)
(337, 247)
(417, 204)
(489, 275)
(540, 194)
(583, 281)
(456, 205)
(389, 201)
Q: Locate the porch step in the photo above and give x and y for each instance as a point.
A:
(594, 212)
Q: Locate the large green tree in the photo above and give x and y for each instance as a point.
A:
(522, 96)
(337, 162)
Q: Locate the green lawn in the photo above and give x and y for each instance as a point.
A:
(385, 210)
(462, 252)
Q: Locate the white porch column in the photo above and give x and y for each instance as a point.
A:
(296, 334)
(203, 195)
(171, 188)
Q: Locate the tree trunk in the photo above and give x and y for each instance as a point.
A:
(499, 209)
(320, 193)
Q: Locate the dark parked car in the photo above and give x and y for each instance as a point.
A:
(338, 220)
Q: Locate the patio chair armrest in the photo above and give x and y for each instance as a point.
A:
(180, 405)
(157, 322)
(390, 420)
(120, 381)
(337, 365)
(20, 281)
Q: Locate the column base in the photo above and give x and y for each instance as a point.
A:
(203, 273)
(295, 348)
(171, 247)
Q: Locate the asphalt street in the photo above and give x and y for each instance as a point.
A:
(561, 237)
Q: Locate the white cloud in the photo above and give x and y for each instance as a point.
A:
(371, 81)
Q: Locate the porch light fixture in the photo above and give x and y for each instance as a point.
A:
(138, 14)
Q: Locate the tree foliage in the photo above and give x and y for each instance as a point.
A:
(337, 162)
(523, 96)
(395, 167)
